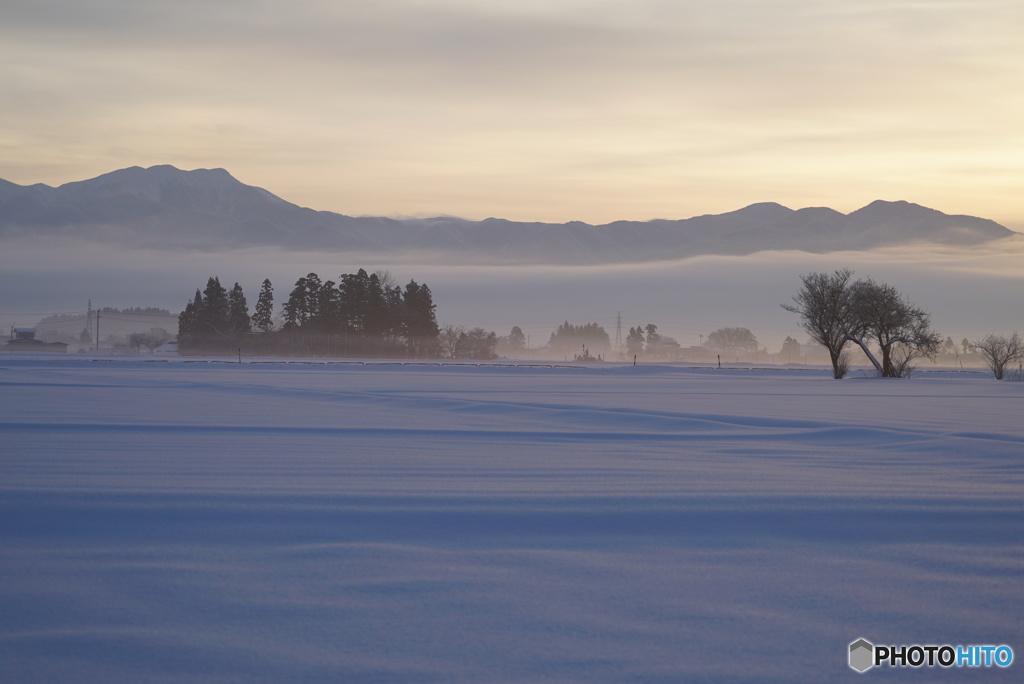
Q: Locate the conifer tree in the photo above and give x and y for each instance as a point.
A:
(263, 317)
(393, 305)
(296, 309)
(635, 341)
(421, 329)
(238, 312)
(312, 295)
(188, 320)
(213, 318)
(328, 308)
(376, 308)
(354, 288)
(516, 339)
(790, 349)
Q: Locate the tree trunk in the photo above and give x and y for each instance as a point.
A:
(859, 341)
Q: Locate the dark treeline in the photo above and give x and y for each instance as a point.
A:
(571, 338)
(360, 315)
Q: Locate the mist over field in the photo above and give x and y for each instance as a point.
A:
(970, 291)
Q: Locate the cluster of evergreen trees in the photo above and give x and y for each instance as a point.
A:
(362, 314)
(367, 311)
(570, 338)
(647, 341)
(214, 316)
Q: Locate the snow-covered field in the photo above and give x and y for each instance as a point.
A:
(169, 522)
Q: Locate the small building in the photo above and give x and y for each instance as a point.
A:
(24, 340)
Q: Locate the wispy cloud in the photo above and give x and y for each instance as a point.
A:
(590, 110)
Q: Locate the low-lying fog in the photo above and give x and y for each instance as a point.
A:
(969, 291)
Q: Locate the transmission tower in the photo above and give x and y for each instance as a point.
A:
(618, 330)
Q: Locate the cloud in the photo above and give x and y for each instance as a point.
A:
(760, 53)
(593, 110)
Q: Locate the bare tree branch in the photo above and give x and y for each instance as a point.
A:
(999, 352)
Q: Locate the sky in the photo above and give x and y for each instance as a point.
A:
(551, 110)
(559, 110)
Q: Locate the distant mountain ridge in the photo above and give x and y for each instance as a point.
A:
(168, 208)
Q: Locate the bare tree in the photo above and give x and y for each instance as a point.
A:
(841, 366)
(835, 311)
(901, 330)
(386, 280)
(147, 340)
(824, 307)
(449, 339)
(999, 352)
(733, 340)
(476, 343)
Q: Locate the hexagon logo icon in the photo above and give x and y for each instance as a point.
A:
(862, 655)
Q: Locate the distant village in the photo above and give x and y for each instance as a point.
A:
(132, 330)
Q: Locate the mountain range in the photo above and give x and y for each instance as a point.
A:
(208, 209)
